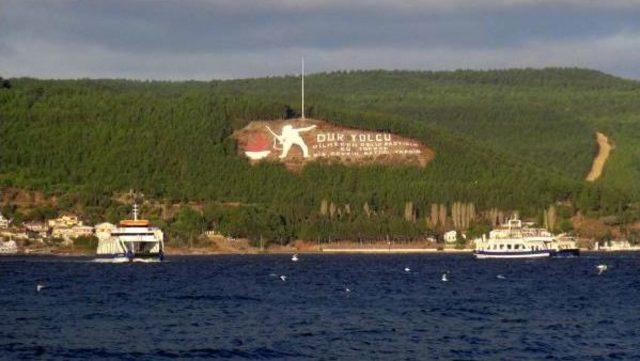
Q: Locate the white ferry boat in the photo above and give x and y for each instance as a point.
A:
(8, 247)
(133, 239)
(514, 240)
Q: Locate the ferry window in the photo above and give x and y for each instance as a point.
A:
(501, 246)
(508, 246)
(517, 246)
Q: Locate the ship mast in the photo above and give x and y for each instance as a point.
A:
(135, 211)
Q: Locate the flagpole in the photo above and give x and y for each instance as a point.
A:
(303, 87)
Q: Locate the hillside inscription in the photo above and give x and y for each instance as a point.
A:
(298, 141)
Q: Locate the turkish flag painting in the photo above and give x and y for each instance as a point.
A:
(257, 147)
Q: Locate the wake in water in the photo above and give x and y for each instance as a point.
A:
(112, 260)
(146, 260)
(126, 260)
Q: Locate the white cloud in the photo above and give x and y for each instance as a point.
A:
(618, 54)
(203, 39)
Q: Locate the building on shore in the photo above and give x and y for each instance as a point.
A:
(69, 227)
(72, 232)
(8, 247)
(12, 234)
(451, 237)
(4, 222)
(65, 221)
(617, 245)
(37, 227)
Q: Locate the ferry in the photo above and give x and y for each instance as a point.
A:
(515, 240)
(132, 240)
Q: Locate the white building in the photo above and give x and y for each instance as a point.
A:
(69, 227)
(39, 228)
(4, 223)
(451, 237)
(66, 221)
(620, 245)
(68, 233)
(8, 247)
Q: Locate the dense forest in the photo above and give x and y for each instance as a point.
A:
(509, 140)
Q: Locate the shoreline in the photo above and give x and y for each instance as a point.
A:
(206, 252)
(328, 251)
(393, 250)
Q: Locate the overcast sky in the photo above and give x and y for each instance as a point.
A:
(221, 39)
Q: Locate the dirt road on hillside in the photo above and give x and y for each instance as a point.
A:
(601, 159)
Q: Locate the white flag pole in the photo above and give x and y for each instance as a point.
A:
(303, 87)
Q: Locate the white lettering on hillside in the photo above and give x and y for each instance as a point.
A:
(351, 144)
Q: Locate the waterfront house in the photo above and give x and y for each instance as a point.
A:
(68, 233)
(4, 223)
(37, 227)
(12, 234)
(618, 245)
(8, 247)
(450, 237)
(69, 227)
(65, 221)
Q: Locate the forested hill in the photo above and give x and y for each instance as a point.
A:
(519, 139)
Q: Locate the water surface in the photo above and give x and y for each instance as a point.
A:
(237, 307)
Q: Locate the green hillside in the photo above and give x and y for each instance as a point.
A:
(512, 140)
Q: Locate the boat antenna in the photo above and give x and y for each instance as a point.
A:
(302, 76)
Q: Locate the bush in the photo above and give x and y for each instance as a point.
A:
(186, 226)
(86, 242)
(565, 226)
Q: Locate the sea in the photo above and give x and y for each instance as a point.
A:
(326, 307)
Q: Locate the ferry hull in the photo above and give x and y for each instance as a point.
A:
(511, 255)
(131, 257)
(566, 253)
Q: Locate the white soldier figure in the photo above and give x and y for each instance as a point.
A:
(291, 136)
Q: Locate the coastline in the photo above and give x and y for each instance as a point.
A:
(279, 250)
(393, 250)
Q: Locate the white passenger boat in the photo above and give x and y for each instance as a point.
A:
(132, 240)
(514, 240)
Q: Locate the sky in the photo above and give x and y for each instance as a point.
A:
(226, 39)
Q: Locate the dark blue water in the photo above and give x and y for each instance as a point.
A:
(236, 307)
